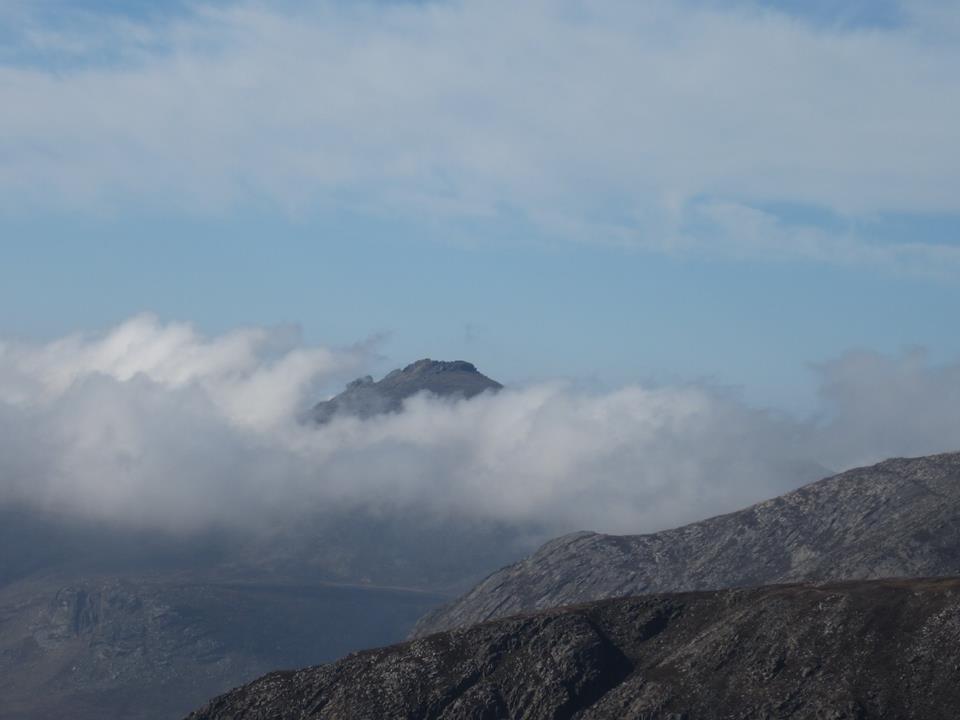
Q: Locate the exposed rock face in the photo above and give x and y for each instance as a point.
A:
(853, 651)
(900, 518)
(364, 398)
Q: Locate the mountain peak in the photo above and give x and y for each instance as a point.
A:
(426, 365)
(365, 397)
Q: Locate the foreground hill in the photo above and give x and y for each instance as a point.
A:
(900, 518)
(856, 651)
(364, 398)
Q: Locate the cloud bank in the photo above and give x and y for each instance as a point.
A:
(152, 424)
(677, 126)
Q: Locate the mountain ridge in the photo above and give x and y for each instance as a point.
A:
(898, 518)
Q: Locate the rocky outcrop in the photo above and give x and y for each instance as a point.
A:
(900, 518)
(852, 651)
(364, 398)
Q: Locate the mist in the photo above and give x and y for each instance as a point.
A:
(154, 425)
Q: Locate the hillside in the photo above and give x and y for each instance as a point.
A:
(854, 651)
(899, 518)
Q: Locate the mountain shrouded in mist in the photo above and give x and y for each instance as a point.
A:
(661, 261)
(156, 425)
(364, 398)
(107, 618)
(153, 479)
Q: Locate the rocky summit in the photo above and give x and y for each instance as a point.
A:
(365, 398)
(853, 651)
(900, 518)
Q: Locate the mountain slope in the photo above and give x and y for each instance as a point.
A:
(899, 518)
(855, 651)
(364, 398)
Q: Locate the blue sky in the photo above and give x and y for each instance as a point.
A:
(721, 191)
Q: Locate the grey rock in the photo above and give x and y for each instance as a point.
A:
(900, 518)
(858, 651)
(365, 398)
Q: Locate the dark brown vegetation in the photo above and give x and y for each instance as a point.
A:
(884, 649)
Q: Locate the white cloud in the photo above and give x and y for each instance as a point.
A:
(154, 424)
(254, 376)
(889, 406)
(608, 119)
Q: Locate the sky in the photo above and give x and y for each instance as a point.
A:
(753, 201)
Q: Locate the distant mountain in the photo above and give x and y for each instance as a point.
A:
(106, 620)
(99, 621)
(900, 518)
(146, 649)
(887, 650)
(364, 398)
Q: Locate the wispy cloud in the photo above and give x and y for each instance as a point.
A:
(610, 120)
(713, 228)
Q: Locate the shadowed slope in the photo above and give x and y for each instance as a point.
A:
(882, 649)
